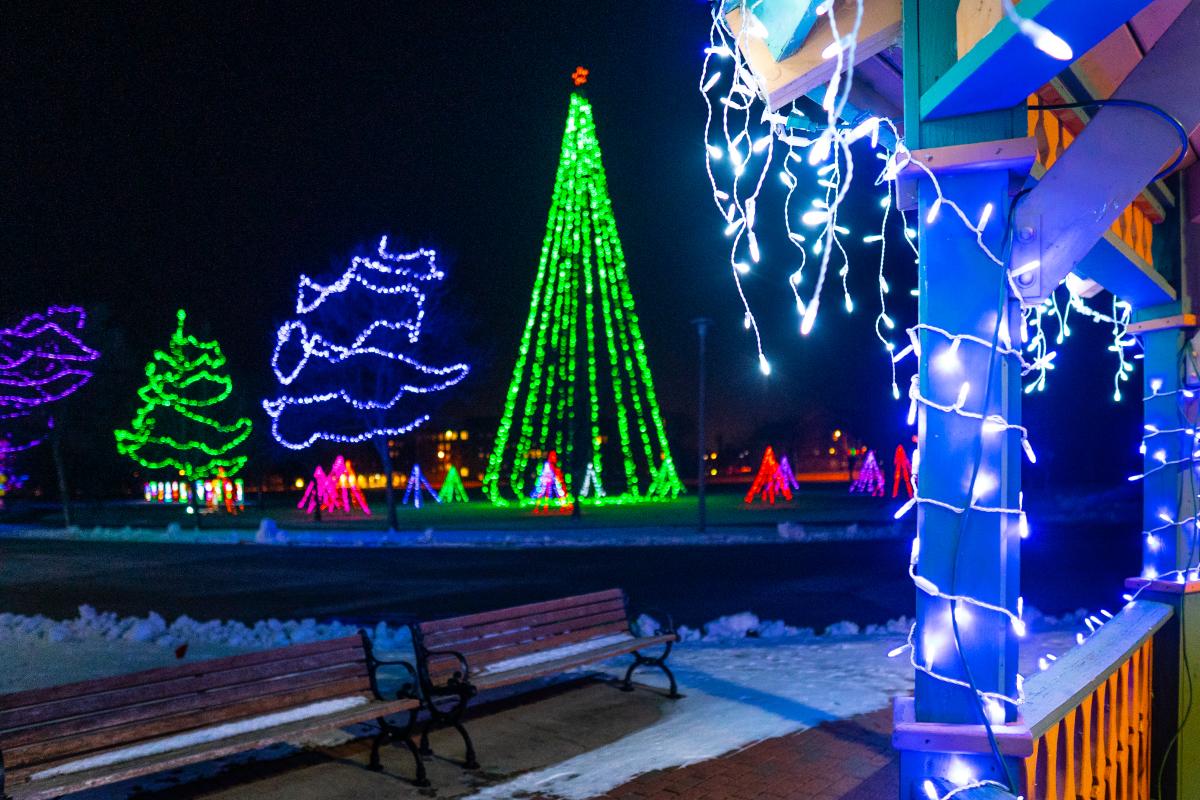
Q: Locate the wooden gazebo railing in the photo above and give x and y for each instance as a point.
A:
(1089, 714)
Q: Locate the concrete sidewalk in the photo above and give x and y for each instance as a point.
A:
(849, 759)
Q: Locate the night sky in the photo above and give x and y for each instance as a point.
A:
(166, 156)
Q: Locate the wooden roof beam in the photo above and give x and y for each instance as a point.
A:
(1119, 152)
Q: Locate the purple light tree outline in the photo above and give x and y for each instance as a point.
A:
(40, 364)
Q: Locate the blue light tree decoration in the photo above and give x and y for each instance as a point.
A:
(345, 364)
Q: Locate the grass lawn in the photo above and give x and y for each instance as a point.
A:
(827, 504)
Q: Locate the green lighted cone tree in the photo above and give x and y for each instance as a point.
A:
(174, 428)
(582, 386)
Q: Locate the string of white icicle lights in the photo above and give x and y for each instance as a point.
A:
(748, 135)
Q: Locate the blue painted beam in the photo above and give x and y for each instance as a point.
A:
(1004, 68)
(1121, 271)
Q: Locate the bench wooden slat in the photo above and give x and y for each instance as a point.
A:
(443, 667)
(613, 608)
(434, 626)
(477, 647)
(145, 677)
(21, 789)
(509, 677)
(192, 702)
(615, 605)
(189, 681)
(109, 738)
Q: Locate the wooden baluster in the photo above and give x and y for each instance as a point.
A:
(1135, 729)
(1124, 765)
(1099, 750)
(1110, 738)
(1051, 739)
(1045, 153)
(1029, 790)
(1147, 676)
(1087, 780)
(1070, 782)
(1060, 145)
(1148, 239)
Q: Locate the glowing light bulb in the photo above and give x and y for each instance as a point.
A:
(814, 218)
(1046, 40)
(960, 773)
(1023, 526)
(715, 152)
(1155, 384)
(742, 267)
(711, 82)
(904, 509)
(934, 209)
(985, 216)
(948, 360)
(810, 317)
(963, 391)
(763, 365)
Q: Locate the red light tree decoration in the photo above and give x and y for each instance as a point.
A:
(774, 478)
(902, 474)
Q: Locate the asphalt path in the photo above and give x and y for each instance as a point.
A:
(808, 584)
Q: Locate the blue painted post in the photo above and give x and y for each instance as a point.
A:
(1170, 557)
(963, 292)
(1169, 488)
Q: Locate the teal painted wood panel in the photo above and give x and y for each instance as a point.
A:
(1004, 67)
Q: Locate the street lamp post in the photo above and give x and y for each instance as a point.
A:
(701, 324)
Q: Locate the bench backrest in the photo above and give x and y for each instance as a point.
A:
(43, 727)
(494, 636)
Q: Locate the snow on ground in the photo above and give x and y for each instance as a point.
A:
(269, 534)
(744, 679)
(738, 692)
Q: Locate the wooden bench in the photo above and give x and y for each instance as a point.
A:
(460, 656)
(68, 738)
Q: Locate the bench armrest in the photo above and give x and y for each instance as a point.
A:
(462, 660)
(670, 626)
(408, 690)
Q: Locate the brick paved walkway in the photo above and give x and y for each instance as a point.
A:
(848, 759)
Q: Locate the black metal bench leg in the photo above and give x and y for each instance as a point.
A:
(471, 761)
(627, 684)
(424, 748)
(391, 733)
(640, 660)
(422, 778)
(374, 764)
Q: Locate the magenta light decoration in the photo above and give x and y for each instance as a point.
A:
(41, 362)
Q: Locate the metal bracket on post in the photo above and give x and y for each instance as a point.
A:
(1027, 255)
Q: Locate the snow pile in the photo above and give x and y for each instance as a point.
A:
(747, 625)
(270, 534)
(153, 629)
